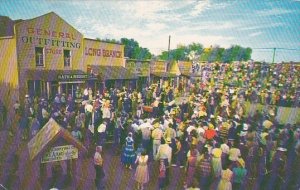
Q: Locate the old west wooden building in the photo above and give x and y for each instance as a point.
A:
(45, 55)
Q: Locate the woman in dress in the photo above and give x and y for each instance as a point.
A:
(191, 165)
(142, 173)
(226, 177)
(217, 161)
(128, 156)
(162, 175)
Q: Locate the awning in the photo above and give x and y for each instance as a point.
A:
(187, 74)
(164, 74)
(185, 68)
(56, 75)
(113, 72)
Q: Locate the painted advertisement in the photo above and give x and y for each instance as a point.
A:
(59, 153)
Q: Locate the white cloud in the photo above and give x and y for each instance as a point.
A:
(273, 12)
(148, 10)
(255, 34)
(262, 26)
(213, 25)
(200, 7)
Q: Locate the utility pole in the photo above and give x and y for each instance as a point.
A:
(169, 47)
(274, 50)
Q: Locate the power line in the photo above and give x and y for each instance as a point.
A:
(274, 51)
(291, 49)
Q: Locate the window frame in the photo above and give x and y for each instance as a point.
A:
(38, 57)
(70, 58)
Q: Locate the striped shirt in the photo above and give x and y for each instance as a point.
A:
(205, 167)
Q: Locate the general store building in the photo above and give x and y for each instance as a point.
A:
(45, 56)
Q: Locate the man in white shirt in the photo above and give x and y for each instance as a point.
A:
(234, 153)
(102, 131)
(165, 153)
(157, 134)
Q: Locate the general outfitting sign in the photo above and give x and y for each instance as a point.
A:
(59, 153)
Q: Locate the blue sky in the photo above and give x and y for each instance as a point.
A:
(249, 23)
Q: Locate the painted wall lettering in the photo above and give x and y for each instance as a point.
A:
(49, 42)
(50, 33)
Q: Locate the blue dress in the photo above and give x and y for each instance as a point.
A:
(128, 156)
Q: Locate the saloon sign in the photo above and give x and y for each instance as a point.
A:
(59, 153)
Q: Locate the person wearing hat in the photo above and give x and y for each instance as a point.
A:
(226, 178)
(165, 153)
(183, 109)
(76, 133)
(156, 135)
(191, 165)
(210, 133)
(239, 174)
(146, 135)
(234, 153)
(142, 171)
(205, 169)
(216, 160)
(102, 133)
(279, 173)
(98, 164)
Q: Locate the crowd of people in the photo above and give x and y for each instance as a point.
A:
(209, 134)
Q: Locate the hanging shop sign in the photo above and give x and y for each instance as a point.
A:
(59, 153)
(72, 76)
(77, 77)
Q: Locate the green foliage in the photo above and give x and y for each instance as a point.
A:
(181, 52)
(211, 54)
(134, 51)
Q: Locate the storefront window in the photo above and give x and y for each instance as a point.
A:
(70, 88)
(67, 58)
(36, 88)
(39, 56)
(53, 89)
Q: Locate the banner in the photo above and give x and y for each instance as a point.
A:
(59, 153)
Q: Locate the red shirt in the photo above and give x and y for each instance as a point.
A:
(209, 134)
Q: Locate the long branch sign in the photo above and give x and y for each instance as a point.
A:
(59, 153)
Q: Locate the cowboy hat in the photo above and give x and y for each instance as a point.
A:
(168, 140)
(241, 162)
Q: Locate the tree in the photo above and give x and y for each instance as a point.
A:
(134, 51)
(182, 52)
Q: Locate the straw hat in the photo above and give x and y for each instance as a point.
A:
(202, 113)
(241, 162)
(281, 149)
(267, 124)
(210, 126)
(168, 140)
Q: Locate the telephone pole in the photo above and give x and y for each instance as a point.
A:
(169, 47)
(274, 50)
